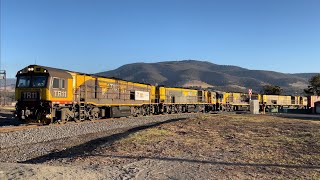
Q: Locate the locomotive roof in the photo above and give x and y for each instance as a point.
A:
(43, 69)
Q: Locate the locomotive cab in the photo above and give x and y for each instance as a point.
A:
(31, 86)
(36, 89)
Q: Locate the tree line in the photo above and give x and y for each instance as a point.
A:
(313, 88)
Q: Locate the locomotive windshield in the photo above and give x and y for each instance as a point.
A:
(23, 81)
(39, 81)
(31, 81)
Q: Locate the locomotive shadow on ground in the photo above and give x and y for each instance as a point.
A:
(306, 117)
(7, 119)
(87, 150)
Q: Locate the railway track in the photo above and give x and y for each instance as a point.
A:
(4, 129)
(12, 128)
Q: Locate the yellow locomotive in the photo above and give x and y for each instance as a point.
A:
(183, 100)
(282, 101)
(49, 94)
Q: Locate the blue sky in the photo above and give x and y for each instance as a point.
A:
(97, 35)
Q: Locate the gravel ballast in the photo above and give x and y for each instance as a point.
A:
(49, 133)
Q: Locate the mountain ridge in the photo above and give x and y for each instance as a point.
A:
(188, 73)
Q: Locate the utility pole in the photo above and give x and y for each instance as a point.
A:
(3, 76)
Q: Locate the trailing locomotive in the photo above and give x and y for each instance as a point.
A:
(52, 95)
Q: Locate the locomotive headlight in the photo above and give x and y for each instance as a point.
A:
(48, 116)
(30, 69)
(45, 71)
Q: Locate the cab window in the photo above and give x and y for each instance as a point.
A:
(23, 81)
(39, 81)
(62, 83)
(56, 83)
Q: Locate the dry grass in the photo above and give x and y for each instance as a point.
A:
(262, 139)
(270, 142)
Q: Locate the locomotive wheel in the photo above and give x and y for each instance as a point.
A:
(42, 119)
(143, 111)
(77, 120)
(136, 111)
(147, 110)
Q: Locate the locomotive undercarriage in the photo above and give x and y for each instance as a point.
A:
(58, 113)
(32, 111)
(90, 112)
(44, 113)
(76, 112)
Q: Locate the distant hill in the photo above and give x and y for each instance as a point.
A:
(305, 75)
(201, 73)
(11, 83)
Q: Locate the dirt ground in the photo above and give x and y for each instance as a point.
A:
(207, 147)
